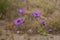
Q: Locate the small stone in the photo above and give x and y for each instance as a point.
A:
(18, 32)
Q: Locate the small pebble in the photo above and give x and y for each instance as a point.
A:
(18, 32)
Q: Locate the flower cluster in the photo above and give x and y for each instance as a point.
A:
(36, 14)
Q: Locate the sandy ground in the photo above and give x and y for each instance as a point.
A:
(7, 35)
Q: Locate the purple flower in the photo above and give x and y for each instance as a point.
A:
(20, 10)
(42, 22)
(50, 30)
(36, 14)
(18, 21)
